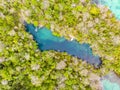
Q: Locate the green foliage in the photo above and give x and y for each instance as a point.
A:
(21, 63)
(94, 11)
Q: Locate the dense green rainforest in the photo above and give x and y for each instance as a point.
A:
(24, 67)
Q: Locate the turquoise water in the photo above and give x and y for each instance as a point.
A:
(47, 41)
(107, 85)
(113, 5)
(111, 82)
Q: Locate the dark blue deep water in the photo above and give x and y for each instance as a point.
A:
(47, 41)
